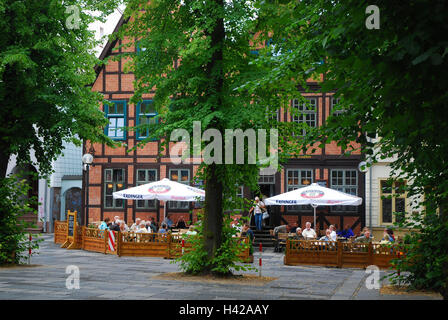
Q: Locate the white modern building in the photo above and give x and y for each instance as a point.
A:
(379, 206)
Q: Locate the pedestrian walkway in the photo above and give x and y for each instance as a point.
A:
(111, 277)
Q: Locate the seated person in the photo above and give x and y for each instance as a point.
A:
(123, 227)
(284, 228)
(191, 231)
(115, 226)
(333, 234)
(346, 233)
(163, 228)
(237, 225)
(366, 238)
(364, 231)
(168, 222)
(181, 224)
(247, 232)
(298, 235)
(308, 232)
(153, 225)
(327, 236)
(142, 228)
(104, 225)
(387, 237)
(294, 227)
(135, 225)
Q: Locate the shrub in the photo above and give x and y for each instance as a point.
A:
(14, 203)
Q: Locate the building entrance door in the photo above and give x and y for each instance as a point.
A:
(267, 189)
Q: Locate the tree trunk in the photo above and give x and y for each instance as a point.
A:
(4, 160)
(443, 209)
(213, 217)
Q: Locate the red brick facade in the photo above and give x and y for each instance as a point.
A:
(115, 84)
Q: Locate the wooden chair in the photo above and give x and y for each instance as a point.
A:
(281, 238)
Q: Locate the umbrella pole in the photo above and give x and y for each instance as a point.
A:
(315, 219)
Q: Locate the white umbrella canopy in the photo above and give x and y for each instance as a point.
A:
(314, 195)
(164, 189)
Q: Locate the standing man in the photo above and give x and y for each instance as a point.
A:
(257, 208)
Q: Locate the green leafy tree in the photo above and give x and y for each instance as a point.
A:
(392, 86)
(46, 66)
(14, 199)
(197, 54)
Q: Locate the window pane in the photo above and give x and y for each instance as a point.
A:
(174, 175)
(400, 205)
(109, 188)
(147, 107)
(109, 201)
(118, 175)
(399, 187)
(386, 187)
(184, 175)
(112, 127)
(119, 108)
(151, 203)
(119, 203)
(387, 210)
(108, 175)
(152, 176)
(141, 175)
(400, 208)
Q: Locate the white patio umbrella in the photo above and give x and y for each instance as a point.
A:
(314, 195)
(164, 189)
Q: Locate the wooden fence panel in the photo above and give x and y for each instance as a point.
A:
(339, 254)
(355, 255)
(383, 254)
(144, 244)
(60, 232)
(94, 240)
(176, 248)
(311, 252)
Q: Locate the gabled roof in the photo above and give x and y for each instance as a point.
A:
(110, 45)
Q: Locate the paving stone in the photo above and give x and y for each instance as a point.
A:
(105, 277)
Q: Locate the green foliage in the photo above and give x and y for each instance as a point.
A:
(14, 203)
(226, 259)
(45, 72)
(197, 54)
(424, 266)
(391, 82)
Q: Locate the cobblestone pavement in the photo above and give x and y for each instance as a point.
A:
(119, 278)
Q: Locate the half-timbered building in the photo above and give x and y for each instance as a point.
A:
(116, 169)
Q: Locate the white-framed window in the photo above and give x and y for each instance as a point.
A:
(295, 179)
(146, 115)
(145, 176)
(113, 181)
(181, 176)
(305, 113)
(266, 179)
(344, 180)
(335, 106)
(116, 114)
(273, 114)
